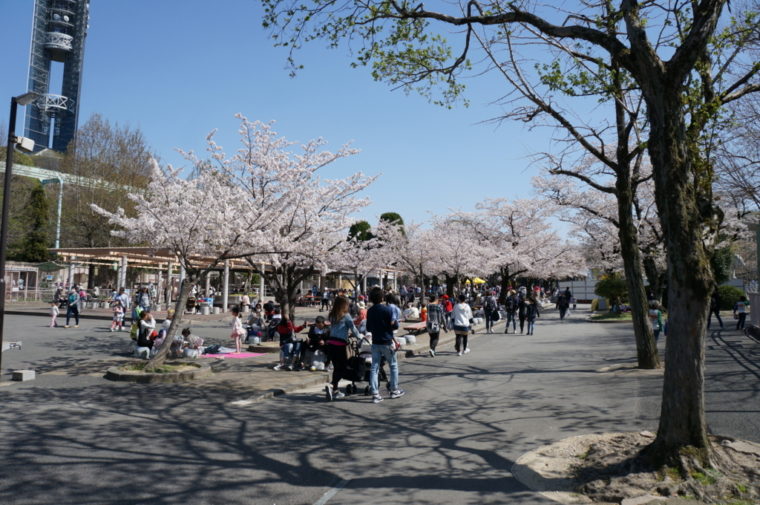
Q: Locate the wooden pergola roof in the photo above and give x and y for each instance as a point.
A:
(145, 256)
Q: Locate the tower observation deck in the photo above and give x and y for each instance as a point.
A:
(59, 29)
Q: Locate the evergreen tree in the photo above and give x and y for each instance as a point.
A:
(34, 246)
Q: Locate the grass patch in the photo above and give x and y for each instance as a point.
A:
(704, 479)
(139, 367)
(612, 316)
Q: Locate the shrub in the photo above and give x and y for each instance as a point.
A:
(729, 295)
(613, 288)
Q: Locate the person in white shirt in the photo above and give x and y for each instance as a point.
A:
(462, 321)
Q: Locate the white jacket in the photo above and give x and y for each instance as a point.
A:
(462, 314)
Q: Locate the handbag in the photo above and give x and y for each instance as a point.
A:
(495, 316)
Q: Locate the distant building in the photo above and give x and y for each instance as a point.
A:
(56, 61)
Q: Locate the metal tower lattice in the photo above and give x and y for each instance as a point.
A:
(59, 31)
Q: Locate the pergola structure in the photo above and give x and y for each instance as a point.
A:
(150, 258)
(163, 260)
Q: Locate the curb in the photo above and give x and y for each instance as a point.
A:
(202, 369)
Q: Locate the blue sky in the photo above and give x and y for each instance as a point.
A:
(178, 69)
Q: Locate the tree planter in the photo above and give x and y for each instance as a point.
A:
(189, 371)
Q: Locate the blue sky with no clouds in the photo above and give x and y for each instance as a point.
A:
(178, 69)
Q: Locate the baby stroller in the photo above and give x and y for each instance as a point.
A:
(358, 367)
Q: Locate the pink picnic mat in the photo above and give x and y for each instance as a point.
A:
(233, 355)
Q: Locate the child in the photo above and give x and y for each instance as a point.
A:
(54, 310)
(238, 332)
(740, 312)
(118, 316)
(290, 347)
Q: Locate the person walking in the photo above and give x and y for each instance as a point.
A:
(714, 309)
(510, 306)
(531, 312)
(490, 311)
(54, 310)
(73, 308)
(740, 312)
(655, 318)
(341, 326)
(462, 322)
(521, 307)
(436, 321)
(563, 303)
(381, 323)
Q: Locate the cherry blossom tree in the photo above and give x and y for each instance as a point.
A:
(362, 256)
(520, 241)
(195, 219)
(460, 253)
(306, 216)
(413, 250)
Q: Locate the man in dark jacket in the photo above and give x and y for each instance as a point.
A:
(381, 323)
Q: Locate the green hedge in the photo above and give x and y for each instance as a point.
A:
(729, 295)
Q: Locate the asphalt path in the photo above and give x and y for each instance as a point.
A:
(78, 439)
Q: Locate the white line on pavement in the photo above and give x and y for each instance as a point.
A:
(332, 492)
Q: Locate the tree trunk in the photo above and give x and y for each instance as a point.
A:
(646, 349)
(654, 276)
(179, 310)
(450, 281)
(678, 183)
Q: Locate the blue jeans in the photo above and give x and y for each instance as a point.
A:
(531, 323)
(378, 353)
(289, 350)
(511, 317)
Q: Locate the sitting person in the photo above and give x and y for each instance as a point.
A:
(145, 332)
(315, 341)
(189, 345)
(290, 347)
(411, 313)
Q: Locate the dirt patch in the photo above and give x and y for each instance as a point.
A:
(605, 468)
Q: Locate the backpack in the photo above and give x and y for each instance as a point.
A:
(509, 304)
(491, 304)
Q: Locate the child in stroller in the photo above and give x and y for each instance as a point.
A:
(358, 367)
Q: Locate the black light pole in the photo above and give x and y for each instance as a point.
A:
(24, 99)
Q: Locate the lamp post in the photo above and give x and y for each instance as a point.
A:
(24, 99)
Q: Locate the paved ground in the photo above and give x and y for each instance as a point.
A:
(72, 437)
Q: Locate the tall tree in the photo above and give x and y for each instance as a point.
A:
(36, 241)
(308, 216)
(666, 49)
(110, 161)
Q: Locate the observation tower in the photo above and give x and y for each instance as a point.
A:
(59, 28)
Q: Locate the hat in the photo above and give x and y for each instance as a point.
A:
(445, 297)
(361, 305)
(361, 297)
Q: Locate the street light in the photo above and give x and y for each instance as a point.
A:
(28, 145)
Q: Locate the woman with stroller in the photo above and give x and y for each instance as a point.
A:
(462, 320)
(436, 321)
(341, 325)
